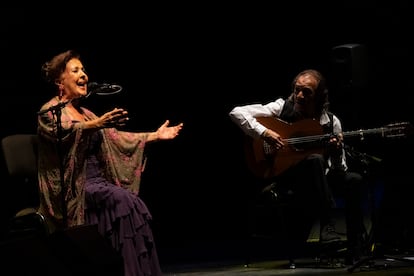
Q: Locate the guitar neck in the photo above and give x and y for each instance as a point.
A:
(393, 131)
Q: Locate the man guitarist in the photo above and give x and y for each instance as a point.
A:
(318, 169)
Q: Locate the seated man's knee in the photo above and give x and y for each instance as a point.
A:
(316, 158)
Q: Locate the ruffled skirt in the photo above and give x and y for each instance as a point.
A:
(124, 219)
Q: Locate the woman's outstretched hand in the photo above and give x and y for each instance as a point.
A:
(166, 132)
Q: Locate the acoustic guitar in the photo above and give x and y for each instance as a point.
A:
(301, 139)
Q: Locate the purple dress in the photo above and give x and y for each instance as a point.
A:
(121, 217)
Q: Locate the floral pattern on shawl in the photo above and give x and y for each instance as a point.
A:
(122, 152)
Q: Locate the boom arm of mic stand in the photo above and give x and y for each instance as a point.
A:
(54, 108)
(362, 156)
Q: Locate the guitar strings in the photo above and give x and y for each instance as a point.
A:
(396, 130)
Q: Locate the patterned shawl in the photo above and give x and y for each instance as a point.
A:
(123, 153)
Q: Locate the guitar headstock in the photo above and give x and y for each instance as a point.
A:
(398, 130)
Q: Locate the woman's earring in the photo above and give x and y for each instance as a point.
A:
(60, 91)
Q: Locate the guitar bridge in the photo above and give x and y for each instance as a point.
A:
(268, 149)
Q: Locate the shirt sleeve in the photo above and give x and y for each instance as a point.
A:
(339, 163)
(245, 116)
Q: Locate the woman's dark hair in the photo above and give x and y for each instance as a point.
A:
(52, 69)
(321, 93)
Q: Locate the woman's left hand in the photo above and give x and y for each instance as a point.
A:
(165, 132)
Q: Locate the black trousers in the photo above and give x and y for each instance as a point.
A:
(315, 192)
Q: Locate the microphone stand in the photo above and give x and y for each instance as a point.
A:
(57, 113)
(366, 160)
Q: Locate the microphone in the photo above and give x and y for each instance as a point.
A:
(103, 89)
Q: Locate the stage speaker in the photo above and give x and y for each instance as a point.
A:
(75, 251)
(350, 65)
(348, 80)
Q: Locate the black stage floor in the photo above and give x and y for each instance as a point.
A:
(305, 267)
(83, 252)
(232, 258)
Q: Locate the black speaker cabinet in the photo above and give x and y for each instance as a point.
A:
(350, 65)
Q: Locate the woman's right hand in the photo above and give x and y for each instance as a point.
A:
(114, 118)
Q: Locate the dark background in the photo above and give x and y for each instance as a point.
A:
(193, 63)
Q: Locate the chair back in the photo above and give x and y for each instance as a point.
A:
(20, 155)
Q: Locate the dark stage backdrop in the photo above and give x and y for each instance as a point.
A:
(193, 64)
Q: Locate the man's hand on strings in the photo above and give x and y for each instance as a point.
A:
(273, 139)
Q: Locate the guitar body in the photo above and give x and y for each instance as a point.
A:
(265, 162)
